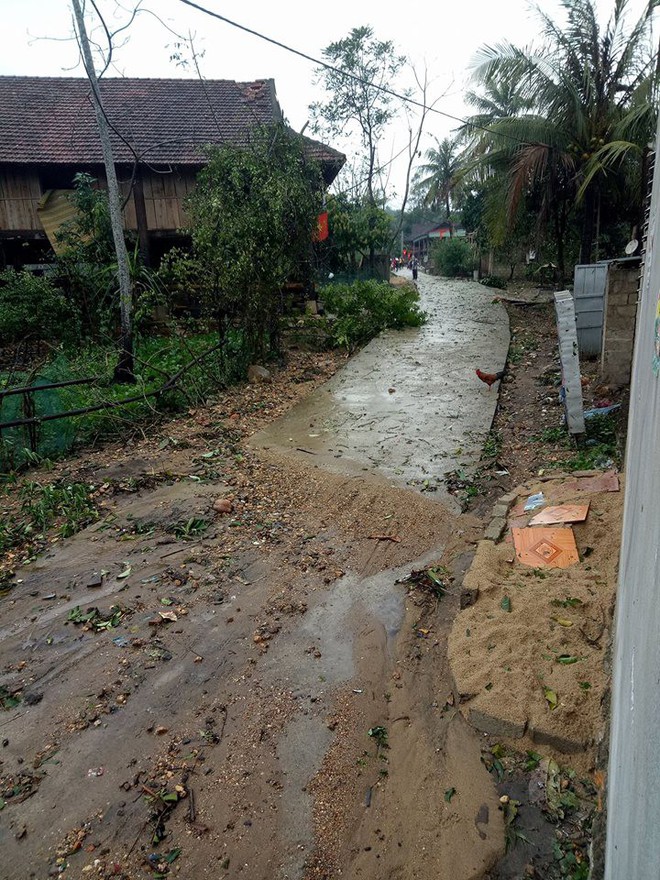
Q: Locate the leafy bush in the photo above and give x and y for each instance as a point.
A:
(453, 257)
(364, 308)
(32, 307)
(493, 281)
(253, 214)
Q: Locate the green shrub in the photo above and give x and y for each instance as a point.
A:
(364, 308)
(493, 281)
(32, 307)
(453, 257)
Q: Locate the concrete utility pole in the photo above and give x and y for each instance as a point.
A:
(633, 796)
(124, 368)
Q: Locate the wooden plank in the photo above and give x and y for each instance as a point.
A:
(562, 513)
(166, 214)
(169, 185)
(20, 214)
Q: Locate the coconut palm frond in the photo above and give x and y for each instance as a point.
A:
(605, 161)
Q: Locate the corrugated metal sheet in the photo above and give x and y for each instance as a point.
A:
(589, 285)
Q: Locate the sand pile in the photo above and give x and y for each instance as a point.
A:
(529, 656)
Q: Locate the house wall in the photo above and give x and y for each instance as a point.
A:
(20, 192)
(164, 194)
(619, 322)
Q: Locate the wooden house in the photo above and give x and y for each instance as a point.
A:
(423, 235)
(160, 128)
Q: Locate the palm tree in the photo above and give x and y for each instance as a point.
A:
(580, 112)
(439, 178)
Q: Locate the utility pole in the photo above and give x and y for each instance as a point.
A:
(124, 369)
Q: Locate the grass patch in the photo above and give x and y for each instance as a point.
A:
(553, 435)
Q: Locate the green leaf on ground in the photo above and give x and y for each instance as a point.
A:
(550, 697)
(449, 794)
(505, 604)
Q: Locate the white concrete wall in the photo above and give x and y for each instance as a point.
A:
(633, 803)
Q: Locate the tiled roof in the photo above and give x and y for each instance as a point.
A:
(48, 120)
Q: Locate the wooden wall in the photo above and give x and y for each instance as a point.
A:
(164, 194)
(19, 195)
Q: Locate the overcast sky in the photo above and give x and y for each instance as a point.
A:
(442, 37)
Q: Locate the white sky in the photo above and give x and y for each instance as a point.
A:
(444, 36)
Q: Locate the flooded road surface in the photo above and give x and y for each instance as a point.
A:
(269, 697)
(409, 405)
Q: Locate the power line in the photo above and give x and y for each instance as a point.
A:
(356, 78)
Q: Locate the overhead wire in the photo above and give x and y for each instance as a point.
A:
(346, 73)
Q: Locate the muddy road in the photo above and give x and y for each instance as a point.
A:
(253, 693)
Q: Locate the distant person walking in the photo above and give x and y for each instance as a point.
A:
(415, 268)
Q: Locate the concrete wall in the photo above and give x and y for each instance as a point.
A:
(633, 801)
(619, 322)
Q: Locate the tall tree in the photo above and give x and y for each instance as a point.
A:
(440, 177)
(124, 369)
(586, 105)
(360, 68)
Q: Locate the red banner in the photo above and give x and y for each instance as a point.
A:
(322, 231)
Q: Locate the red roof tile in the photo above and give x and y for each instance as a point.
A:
(48, 120)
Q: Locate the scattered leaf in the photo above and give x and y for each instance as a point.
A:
(563, 621)
(551, 697)
(585, 685)
(505, 604)
(567, 659)
(168, 615)
(449, 794)
(125, 573)
(533, 761)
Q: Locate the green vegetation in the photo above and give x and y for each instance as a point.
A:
(157, 359)
(363, 309)
(561, 133)
(493, 281)
(253, 215)
(33, 308)
(70, 506)
(597, 449)
(553, 435)
(453, 257)
(439, 180)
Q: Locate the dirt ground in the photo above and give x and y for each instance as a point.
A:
(211, 717)
(262, 690)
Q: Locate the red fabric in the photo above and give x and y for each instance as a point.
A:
(322, 230)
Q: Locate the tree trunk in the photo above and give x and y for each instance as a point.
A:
(559, 241)
(124, 369)
(586, 248)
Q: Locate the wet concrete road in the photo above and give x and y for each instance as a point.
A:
(409, 405)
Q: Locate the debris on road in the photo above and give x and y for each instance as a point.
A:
(545, 547)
